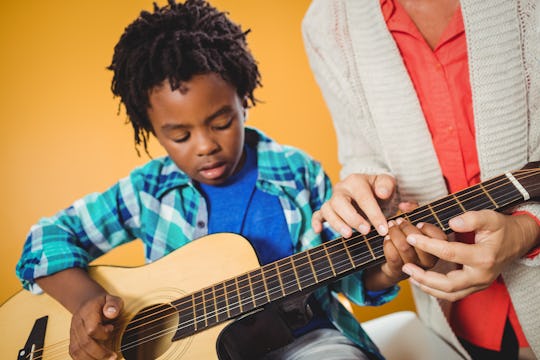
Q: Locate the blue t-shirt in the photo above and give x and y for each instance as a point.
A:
(237, 206)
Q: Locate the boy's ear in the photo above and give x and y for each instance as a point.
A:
(246, 107)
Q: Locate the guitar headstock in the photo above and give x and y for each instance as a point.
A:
(529, 178)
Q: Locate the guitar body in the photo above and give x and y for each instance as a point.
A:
(202, 262)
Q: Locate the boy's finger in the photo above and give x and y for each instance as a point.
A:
(112, 307)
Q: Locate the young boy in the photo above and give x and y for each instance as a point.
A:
(185, 75)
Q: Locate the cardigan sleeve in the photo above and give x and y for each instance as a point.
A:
(331, 58)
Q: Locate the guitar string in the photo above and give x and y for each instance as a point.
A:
(211, 315)
(378, 250)
(216, 314)
(190, 325)
(240, 304)
(261, 305)
(281, 260)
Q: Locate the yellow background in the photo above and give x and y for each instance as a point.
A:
(60, 133)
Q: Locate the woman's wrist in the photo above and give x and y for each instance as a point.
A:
(529, 226)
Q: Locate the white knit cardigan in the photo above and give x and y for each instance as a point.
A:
(381, 128)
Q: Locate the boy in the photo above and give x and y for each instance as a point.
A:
(185, 76)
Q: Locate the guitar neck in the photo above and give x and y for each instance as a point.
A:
(307, 270)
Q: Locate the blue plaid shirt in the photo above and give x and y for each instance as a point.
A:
(161, 206)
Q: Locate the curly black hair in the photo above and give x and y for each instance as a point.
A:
(174, 43)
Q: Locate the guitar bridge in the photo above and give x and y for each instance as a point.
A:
(33, 349)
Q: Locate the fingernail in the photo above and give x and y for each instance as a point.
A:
(111, 310)
(383, 229)
(420, 225)
(411, 239)
(345, 231)
(387, 237)
(399, 220)
(391, 223)
(364, 229)
(383, 191)
(406, 270)
(457, 221)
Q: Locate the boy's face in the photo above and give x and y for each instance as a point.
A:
(201, 126)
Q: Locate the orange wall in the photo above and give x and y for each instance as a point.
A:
(61, 137)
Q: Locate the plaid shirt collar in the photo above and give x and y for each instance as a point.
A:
(269, 156)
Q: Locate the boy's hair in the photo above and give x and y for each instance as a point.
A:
(176, 42)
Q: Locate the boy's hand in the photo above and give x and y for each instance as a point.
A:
(92, 327)
(499, 239)
(398, 252)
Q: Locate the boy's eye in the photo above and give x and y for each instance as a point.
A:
(223, 124)
(181, 138)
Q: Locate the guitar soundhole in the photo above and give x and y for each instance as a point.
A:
(149, 334)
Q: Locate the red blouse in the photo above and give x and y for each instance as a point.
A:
(441, 79)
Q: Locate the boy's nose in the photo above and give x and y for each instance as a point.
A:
(206, 145)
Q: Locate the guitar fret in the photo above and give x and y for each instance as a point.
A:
(459, 202)
(320, 263)
(358, 251)
(295, 273)
(278, 274)
(239, 296)
(246, 300)
(214, 298)
(231, 294)
(368, 245)
(194, 312)
(260, 293)
(435, 217)
(200, 318)
(423, 214)
(207, 297)
(447, 208)
(504, 193)
(306, 272)
(263, 279)
(310, 262)
(339, 257)
(473, 198)
(221, 302)
(347, 251)
(329, 260)
(287, 279)
(405, 216)
(250, 283)
(487, 194)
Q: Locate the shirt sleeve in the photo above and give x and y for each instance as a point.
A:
(533, 254)
(326, 41)
(77, 235)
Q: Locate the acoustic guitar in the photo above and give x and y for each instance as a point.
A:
(171, 312)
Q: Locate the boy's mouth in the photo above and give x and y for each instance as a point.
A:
(213, 171)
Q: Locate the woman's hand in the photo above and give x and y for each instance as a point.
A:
(499, 240)
(354, 205)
